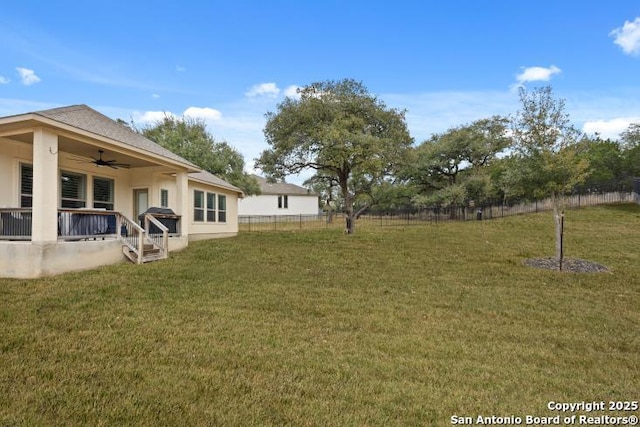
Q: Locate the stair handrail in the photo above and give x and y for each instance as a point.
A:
(160, 241)
(131, 234)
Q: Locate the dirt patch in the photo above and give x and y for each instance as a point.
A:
(570, 264)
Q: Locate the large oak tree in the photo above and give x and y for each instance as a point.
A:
(449, 169)
(341, 131)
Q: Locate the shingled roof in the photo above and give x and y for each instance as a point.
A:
(89, 120)
(209, 178)
(281, 188)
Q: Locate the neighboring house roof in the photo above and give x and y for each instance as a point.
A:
(209, 178)
(281, 188)
(88, 119)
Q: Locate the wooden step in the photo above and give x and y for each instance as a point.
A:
(150, 253)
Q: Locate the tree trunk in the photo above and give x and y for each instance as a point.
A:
(350, 220)
(350, 226)
(558, 217)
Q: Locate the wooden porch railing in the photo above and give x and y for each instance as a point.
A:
(132, 236)
(15, 223)
(139, 244)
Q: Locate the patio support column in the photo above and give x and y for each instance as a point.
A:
(183, 202)
(45, 186)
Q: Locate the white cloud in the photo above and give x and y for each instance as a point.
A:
(27, 76)
(609, 128)
(292, 91)
(151, 116)
(264, 89)
(155, 96)
(4, 80)
(203, 113)
(536, 74)
(207, 114)
(628, 37)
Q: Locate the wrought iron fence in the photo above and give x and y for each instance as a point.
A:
(260, 223)
(253, 223)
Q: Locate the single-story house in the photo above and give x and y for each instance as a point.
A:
(279, 199)
(77, 188)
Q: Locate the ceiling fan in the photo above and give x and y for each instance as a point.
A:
(110, 163)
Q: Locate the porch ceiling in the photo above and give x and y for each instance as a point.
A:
(84, 149)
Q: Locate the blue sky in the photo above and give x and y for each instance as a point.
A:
(446, 62)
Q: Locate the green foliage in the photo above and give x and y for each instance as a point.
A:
(340, 130)
(545, 148)
(189, 138)
(631, 157)
(451, 168)
(631, 137)
(606, 163)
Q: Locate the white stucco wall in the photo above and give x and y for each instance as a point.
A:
(30, 260)
(267, 204)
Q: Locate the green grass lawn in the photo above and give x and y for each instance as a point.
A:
(390, 326)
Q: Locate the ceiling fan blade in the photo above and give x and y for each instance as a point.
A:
(120, 165)
(99, 161)
(115, 163)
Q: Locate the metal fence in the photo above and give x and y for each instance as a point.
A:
(282, 222)
(260, 223)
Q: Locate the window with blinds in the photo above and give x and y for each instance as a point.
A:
(73, 192)
(164, 198)
(26, 185)
(102, 193)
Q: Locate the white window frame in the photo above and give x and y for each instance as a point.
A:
(283, 201)
(164, 198)
(76, 201)
(112, 191)
(198, 211)
(222, 213)
(23, 195)
(210, 214)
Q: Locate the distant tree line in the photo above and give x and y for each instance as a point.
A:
(533, 154)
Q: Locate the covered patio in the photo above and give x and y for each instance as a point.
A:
(78, 185)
